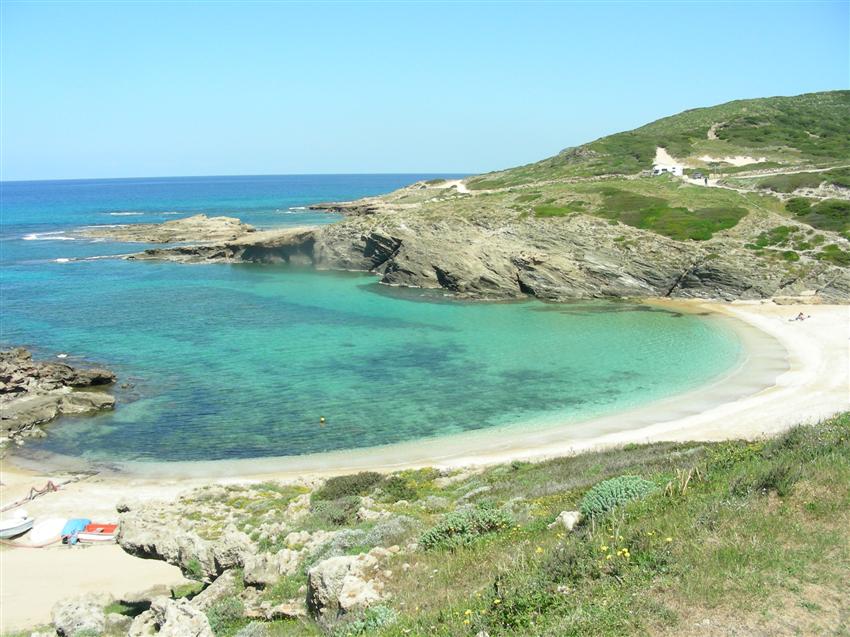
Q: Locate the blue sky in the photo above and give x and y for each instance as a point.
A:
(207, 88)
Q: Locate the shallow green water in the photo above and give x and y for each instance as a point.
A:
(242, 361)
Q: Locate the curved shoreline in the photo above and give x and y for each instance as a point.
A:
(783, 363)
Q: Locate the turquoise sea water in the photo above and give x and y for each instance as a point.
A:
(241, 361)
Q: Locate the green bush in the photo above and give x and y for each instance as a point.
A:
(464, 527)
(799, 206)
(342, 486)
(225, 615)
(337, 512)
(612, 493)
(829, 214)
(396, 488)
(833, 254)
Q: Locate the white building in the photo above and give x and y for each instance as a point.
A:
(672, 169)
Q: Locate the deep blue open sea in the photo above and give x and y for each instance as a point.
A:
(241, 361)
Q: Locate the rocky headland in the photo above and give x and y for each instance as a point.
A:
(490, 255)
(194, 228)
(33, 393)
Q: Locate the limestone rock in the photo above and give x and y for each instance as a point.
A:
(337, 585)
(225, 585)
(80, 614)
(143, 534)
(171, 618)
(566, 520)
(264, 569)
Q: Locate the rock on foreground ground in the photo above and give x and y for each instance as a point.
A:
(35, 392)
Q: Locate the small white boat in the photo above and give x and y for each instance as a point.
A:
(47, 530)
(14, 527)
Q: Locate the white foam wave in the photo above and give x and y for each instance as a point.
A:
(126, 214)
(47, 236)
(61, 260)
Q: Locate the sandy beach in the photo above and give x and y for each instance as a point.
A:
(803, 375)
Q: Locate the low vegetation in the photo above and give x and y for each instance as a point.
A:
(743, 533)
(839, 177)
(676, 222)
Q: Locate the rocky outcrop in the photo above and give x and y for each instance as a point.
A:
(576, 257)
(294, 246)
(33, 393)
(144, 534)
(171, 618)
(198, 228)
(82, 614)
(341, 584)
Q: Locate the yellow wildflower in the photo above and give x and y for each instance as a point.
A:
(668, 539)
(538, 550)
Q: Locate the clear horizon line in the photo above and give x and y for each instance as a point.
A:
(330, 174)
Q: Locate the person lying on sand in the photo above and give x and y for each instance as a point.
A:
(801, 317)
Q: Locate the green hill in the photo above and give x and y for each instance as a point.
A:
(805, 130)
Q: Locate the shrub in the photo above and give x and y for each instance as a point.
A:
(799, 206)
(193, 569)
(391, 531)
(464, 527)
(612, 493)
(833, 254)
(342, 486)
(224, 614)
(373, 619)
(337, 512)
(779, 476)
(397, 488)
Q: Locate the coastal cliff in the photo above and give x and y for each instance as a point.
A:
(752, 216)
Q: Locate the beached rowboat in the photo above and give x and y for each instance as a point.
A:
(15, 526)
(98, 532)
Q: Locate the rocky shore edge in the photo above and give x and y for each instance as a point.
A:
(33, 393)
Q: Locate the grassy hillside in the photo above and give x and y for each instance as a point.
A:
(811, 129)
(752, 537)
